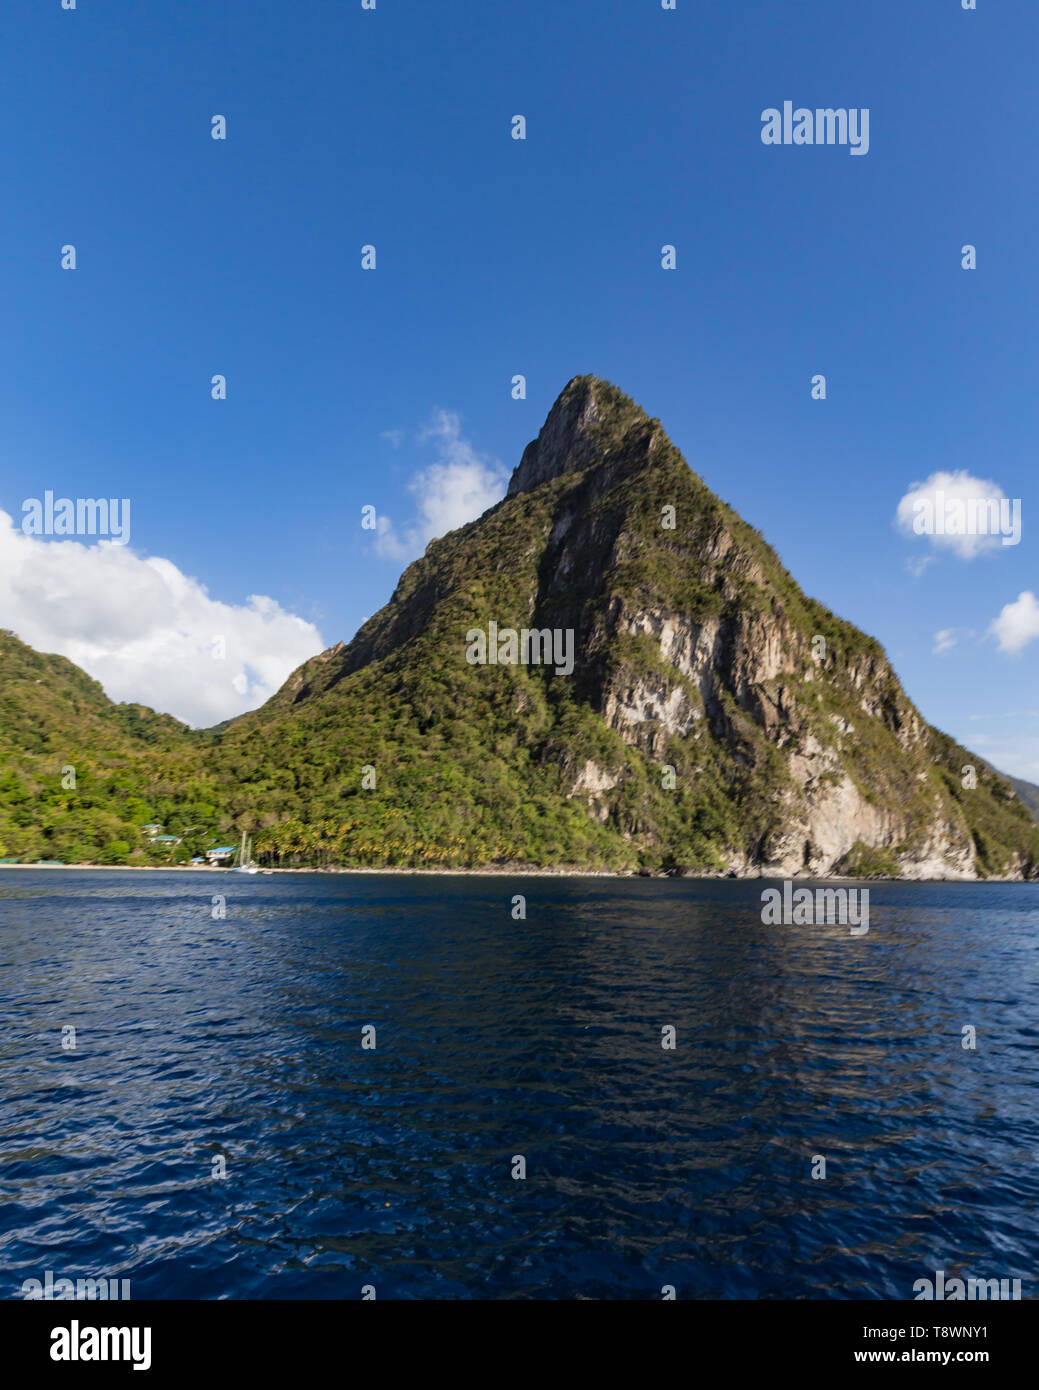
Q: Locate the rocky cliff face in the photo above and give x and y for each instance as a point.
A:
(716, 720)
(751, 677)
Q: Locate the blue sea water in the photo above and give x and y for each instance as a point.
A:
(241, 1036)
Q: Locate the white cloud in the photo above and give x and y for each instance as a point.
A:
(144, 629)
(917, 566)
(944, 495)
(944, 641)
(1017, 624)
(457, 488)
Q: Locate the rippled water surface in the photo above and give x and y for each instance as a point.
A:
(241, 1037)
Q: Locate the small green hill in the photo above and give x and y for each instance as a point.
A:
(80, 775)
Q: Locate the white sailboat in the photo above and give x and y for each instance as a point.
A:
(245, 863)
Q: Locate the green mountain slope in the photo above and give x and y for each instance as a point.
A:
(697, 731)
(1028, 793)
(80, 775)
(715, 718)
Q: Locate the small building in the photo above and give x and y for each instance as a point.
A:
(222, 855)
(165, 839)
(152, 831)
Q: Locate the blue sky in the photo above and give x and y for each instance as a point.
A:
(497, 257)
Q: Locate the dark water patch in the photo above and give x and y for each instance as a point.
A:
(240, 1038)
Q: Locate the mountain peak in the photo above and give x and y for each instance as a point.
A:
(590, 420)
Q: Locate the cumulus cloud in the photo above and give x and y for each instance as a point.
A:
(1017, 624)
(458, 487)
(146, 631)
(960, 513)
(944, 641)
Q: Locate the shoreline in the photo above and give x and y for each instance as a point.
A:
(460, 873)
(517, 872)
